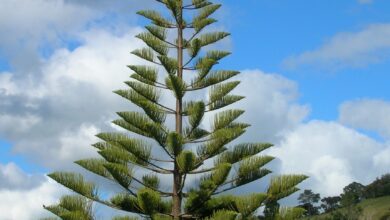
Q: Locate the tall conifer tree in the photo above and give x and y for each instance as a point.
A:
(186, 150)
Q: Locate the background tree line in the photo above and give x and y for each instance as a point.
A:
(353, 194)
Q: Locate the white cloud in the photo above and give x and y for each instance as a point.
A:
(331, 154)
(53, 118)
(34, 22)
(368, 114)
(271, 105)
(24, 122)
(100, 62)
(75, 141)
(348, 49)
(29, 19)
(22, 195)
(38, 27)
(382, 160)
(12, 177)
(8, 86)
(330, 172)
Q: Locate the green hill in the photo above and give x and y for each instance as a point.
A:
(372, 209)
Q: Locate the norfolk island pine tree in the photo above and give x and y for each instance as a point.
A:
(186, 150)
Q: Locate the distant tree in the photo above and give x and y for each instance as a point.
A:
(353, 194)
(330, 203)
(308, 197)
(307, 200)
(380, 187)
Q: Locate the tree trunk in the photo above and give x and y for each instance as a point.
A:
(177, 177)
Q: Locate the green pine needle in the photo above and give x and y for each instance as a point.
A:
(144, 53)
(95, 166)
(156, 18)
(151, 181)
(153, 42)
(126, 202)
(149, 74)
(158, 32)
(186, 161)
(200, 3)
(121, 173)
(76, 183)
(174, 143)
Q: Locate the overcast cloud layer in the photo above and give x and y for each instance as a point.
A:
(53, 103)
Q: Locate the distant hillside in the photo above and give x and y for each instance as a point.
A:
(372, 209)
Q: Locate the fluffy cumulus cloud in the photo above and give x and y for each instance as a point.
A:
(382, 160)
(22, 195)
(337, 153)
(331, 154)
(368, 114)
(53, 118)
(12, 177)
(270, 103)
(52, 93)
(33, 24)
(348, 49)
(39, 27)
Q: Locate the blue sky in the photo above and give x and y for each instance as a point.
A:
(4, 65)
(265, 33)
(315, 73)
(6, 156)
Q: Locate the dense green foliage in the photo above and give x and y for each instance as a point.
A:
(308, 200)
(150, 150)
(330, 203)
(377, 208)
(72, 208)
(356, 202)
(380, 187)
(352, 194)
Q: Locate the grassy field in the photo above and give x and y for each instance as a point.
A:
(372, 209)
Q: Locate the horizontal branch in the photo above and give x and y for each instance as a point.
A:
(158, 170)
(198, 141)
(169, 110)
(159, 160)
(202, 171)
(160, 85)
(154, 189)
(115, 207)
